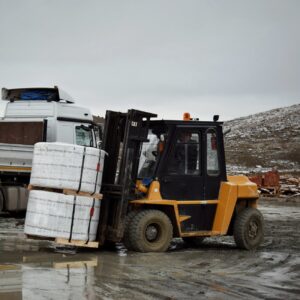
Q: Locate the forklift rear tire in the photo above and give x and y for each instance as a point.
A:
(126, 238)
(150, 231)
(248, 229)
(194, 241)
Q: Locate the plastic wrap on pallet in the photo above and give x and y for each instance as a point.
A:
(51, 214)
(66, 166)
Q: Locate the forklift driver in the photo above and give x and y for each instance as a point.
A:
(148, 158)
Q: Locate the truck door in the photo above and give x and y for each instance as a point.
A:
(84, 135)
(75, 133)
(181, 177)
(65, 132)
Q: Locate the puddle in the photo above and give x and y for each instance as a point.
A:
(34, 269)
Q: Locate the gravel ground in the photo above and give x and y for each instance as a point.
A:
(32, 269)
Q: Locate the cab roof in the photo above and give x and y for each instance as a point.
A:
(186, 123)
(36, 93)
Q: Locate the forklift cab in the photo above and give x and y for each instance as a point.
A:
(165, 179)
(187, 158)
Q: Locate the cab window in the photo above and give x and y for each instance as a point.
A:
(185, 156)
(149, 156)
(212, 159)
(84, 136)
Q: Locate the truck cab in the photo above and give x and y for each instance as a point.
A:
(34, 115)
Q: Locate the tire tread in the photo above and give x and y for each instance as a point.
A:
(239, 227)
(135, 228)
(126, 238)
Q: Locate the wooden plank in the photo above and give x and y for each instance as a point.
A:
(30, 187)
(97, 196)
(84, 194)
(77, 243)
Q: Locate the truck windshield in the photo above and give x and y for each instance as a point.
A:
(84, 136)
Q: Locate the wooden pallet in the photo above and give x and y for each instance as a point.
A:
(63, 241)
(76, 243)
(97, 196)
(270, 191)
(85, 194)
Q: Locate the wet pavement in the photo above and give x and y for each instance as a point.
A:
(32, 269)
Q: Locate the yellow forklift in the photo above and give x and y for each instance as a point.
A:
(165, 179)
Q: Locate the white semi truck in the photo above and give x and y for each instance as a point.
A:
(34, 115)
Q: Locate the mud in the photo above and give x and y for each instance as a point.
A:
(33, 269)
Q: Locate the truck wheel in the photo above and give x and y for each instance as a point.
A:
(194, 241)
(150, 231)
(248, 229)
(128, 220)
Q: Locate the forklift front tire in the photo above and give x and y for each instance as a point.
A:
(126, 239)
(150, 231)
(249, 229)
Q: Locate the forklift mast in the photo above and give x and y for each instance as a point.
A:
(123, 136)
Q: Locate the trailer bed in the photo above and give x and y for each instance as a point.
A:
(15, 158)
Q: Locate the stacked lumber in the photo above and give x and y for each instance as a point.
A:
(289, 185)
(273, 185)
(268, 183)
(64, 197)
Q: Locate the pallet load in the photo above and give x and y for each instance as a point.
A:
(66, 166)
(64, 198)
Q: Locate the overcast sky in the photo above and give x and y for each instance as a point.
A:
(230, 57)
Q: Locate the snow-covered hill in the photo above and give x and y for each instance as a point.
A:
(265, 140)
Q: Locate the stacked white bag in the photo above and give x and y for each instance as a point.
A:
(64, 166)
(50, 215)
